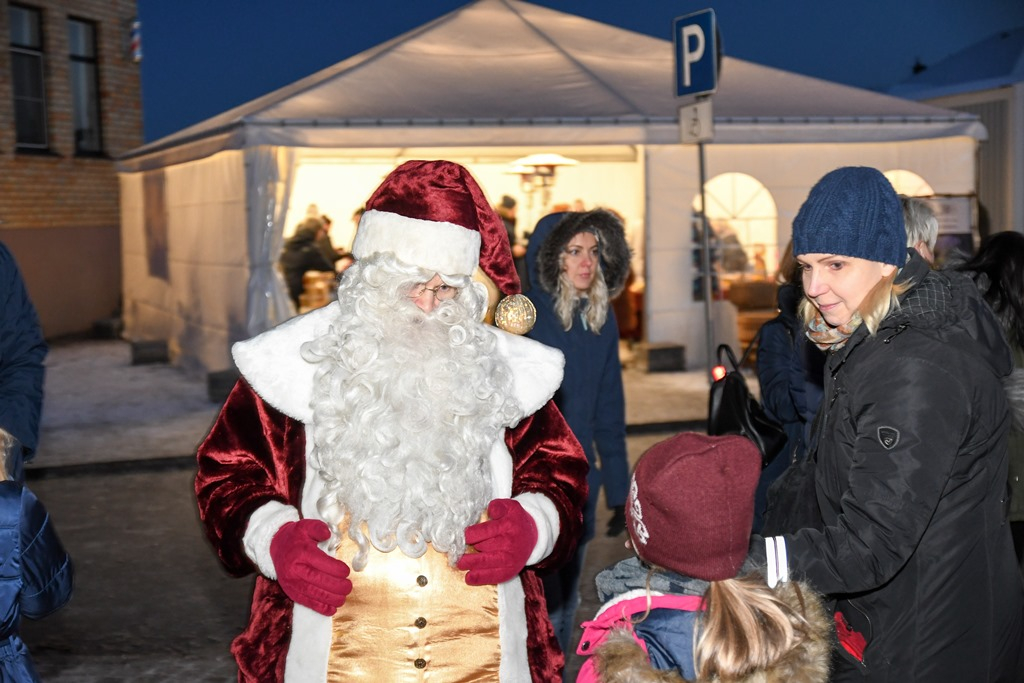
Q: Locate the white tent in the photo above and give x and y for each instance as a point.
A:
(204, 210)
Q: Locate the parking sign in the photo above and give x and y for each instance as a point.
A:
(696, 53)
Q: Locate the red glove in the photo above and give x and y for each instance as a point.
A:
(307, 574)
(503, 544)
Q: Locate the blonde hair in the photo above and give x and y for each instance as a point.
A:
(7, 445)
(567, 298)
(747, 627)
(877, 304)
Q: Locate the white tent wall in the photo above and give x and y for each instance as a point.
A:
(204, 307)
(787, 171)
(201, 307)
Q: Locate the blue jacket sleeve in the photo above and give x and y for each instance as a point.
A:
(780, 374)
(22, 350)
(46, 570)
(610, 419)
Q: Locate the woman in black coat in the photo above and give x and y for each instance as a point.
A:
(913, 542)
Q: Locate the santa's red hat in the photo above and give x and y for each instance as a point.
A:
(433, 214)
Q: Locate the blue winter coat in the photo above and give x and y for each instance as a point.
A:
(36, 575)
(790, 371)
(591, 396)
(22, 350)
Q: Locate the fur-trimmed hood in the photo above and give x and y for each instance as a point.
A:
(620, 659)
(553, 233)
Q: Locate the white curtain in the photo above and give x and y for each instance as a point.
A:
(269, 176)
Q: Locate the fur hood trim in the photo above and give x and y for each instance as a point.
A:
(620, 659)
(611, 237)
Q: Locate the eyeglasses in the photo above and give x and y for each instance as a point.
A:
(442, 292)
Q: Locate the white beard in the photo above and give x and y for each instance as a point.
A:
(406, 409)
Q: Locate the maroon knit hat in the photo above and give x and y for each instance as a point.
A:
(691, 504)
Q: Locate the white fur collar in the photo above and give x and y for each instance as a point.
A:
(273, 366)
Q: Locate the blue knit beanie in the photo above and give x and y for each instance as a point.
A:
(852, 211)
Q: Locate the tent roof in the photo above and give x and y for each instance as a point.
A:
(507, 72)
(995, 62)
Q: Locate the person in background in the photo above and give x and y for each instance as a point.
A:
(912, 543)
(790, 372)
(922, 226)
(685, 603)
(38, 575)
(22, 352)
(302, 253)
(998, 270)
(327, 248)
(578, 263)
(506, 208)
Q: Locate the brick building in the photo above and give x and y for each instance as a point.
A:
(70, 103)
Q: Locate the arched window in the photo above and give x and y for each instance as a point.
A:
(744, 224)
(909, 183)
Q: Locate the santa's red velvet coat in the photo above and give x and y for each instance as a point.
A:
(254, 461)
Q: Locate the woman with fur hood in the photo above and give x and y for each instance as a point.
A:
(684, 609)
(578, 262)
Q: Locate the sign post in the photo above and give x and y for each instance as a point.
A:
(695, 37)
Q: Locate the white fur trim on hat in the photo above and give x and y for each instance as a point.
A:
(432, 245)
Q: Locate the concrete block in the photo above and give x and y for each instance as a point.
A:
(155, 351)
(108, 328)
(664, 357)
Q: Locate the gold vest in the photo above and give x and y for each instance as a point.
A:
(413, 620)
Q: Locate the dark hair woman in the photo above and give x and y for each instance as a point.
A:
(998, 270)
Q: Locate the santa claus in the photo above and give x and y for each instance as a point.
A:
(393, 468)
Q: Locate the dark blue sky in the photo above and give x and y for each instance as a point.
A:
(201, 57)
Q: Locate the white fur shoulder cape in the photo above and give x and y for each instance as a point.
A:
(272, 364)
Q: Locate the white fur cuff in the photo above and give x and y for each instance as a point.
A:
(545, 516)
(263, 525)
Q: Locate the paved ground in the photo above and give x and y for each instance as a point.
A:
(114, 468)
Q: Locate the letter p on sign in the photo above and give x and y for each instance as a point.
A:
(696, 53)
(693, 37)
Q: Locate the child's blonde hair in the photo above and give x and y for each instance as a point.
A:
(748, 627)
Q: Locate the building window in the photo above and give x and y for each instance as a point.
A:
(85, 90)
(743, 240)
(27, 77)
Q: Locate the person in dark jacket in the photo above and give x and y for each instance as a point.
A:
(998, 270)
(913, 544)
(22, 352)
(578, 262)
(790, 373)
(301, 253)
(38, 575)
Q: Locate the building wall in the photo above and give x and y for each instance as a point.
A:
(1001, 156)
(59, 212)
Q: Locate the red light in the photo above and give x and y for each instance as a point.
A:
(718, 372)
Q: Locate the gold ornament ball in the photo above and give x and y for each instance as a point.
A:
(515, 314)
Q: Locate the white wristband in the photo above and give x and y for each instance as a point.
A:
(778, 561)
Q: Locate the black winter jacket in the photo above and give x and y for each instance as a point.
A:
(911, 482)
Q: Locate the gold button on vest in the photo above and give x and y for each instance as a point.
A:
(413, 620)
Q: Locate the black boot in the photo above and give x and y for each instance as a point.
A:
(617, 524)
